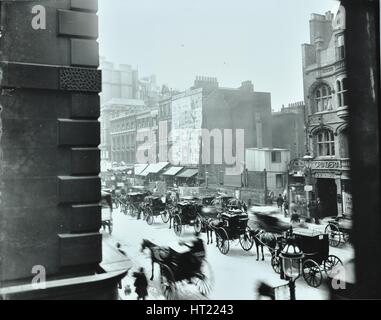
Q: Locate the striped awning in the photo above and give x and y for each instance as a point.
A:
(189, 173)
(154, 168)
(172, 171)
(139, 168)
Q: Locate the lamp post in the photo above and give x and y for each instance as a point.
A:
(291, 258)
(307, 173)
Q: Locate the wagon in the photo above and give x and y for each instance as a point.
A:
(153, 206)
(316, 260)
(134, 202)
(233, 226)
(106, 204)
(187, 213)
(338, 230)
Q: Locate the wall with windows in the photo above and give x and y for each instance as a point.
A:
(325, 83)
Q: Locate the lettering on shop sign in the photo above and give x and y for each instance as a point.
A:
(326, 165)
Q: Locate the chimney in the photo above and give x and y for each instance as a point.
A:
(247, 86)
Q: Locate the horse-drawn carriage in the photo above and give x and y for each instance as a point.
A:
(187, 212)
(154, 206)
(134, 203)
(179, 268)
(316, 260)
(338, 230)
(106, 207)
(233, 226)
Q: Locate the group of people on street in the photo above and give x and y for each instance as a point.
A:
(293, 209)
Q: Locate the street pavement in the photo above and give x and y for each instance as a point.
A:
(236, 275)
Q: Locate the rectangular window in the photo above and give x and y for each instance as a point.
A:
(340, 47)
(279, 181)
(276, 157)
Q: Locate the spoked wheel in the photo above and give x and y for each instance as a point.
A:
(149, 216)
(275, 263)
(334, 235)
(222, 240)
(167, 283)
(312, 273)
(134, 211)
(197, 224)
(177, 226)
(205, 281)
(246, 240)
(165, 216)
(331, 263)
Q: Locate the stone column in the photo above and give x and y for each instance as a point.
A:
(50, 189)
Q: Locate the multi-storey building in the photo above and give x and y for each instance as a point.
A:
(288, 129)
(325, 91)
(134, 131)
(115, 108)
(221, 111)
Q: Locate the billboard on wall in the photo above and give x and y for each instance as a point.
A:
(186, 127)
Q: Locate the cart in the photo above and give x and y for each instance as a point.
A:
(338, 230)
(233, 226)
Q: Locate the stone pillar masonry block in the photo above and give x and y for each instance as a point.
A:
(49, 137)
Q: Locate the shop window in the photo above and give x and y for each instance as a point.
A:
(325, 143)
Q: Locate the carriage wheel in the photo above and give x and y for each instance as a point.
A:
(167, 283)
(334, 235)
(165, 216)
(149, 218)
(222, 240)
(177, 226)
(331, 263)
(134, 211)
(312, 273)
(275, 263)
(197, 224)
(205, 280)
(246, 240)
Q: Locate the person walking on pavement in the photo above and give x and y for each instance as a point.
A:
(279, 202)
(318, 211)
(141, 284)
(285, 208)
(313, 208)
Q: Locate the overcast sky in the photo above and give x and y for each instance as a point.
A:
(233, 40)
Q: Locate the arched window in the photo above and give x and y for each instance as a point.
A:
(341, 92)
(323, 97)
(325, 143)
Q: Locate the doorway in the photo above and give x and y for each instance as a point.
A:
(327, 192)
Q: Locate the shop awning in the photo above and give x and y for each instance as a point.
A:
(153, 168)
(172, 171)
(139, 168)
(189, 173)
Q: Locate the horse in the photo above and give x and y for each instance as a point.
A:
(158, 254)
(211, 225)
(263, 238)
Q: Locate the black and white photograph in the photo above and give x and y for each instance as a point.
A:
(190, 150)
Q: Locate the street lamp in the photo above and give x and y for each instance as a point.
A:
(307, 172)
(291, 257)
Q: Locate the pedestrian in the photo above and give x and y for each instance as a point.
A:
(279, 202)
(285, 208)
(318, 211)
(141, 284)
(313, 207)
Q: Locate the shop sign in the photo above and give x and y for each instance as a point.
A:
(326, 164)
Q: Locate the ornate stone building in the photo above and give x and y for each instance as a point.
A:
(325, 93)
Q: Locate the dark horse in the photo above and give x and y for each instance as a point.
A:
(264, 239)
(158, 254)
